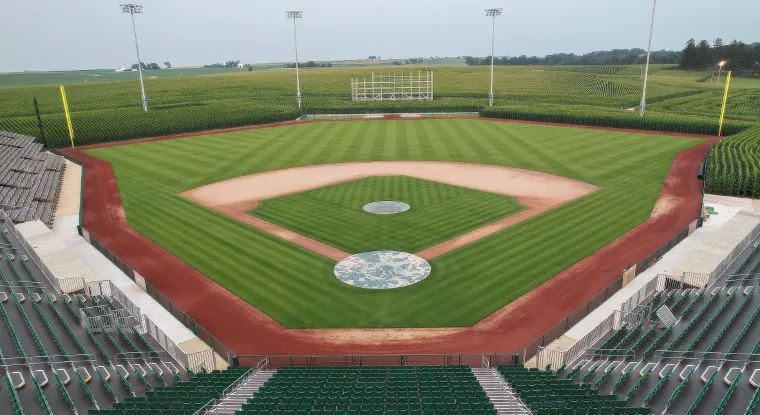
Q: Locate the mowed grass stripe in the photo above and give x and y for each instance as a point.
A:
(525, 263)
(465, 285)
(335, 215)
(209, 246)
(565, 220)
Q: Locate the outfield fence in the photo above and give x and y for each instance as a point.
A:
(389, 114)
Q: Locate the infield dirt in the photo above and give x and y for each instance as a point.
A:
(536, 191)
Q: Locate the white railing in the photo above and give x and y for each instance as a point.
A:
(735, 253)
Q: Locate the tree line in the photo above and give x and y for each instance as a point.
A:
(609, 57)
(228, 64)
(737, 56)
(150, 67)
(309, 64)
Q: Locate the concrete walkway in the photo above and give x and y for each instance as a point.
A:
(65, 229)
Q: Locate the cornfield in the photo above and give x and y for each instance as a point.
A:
(605, 96)
(733, 165)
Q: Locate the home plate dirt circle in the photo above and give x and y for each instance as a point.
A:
(386, 207)
(382, 270)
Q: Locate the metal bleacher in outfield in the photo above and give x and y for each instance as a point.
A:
(704, 362)
(30, 178)
(70, 353)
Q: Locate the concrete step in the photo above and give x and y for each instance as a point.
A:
(499, 392)
(234, 400)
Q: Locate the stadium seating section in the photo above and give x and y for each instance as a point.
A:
(180, 398)
(705, 363)
(546, 393)
(371, 390)
(55, 365)
(29, 178)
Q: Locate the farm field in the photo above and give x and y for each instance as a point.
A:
(110, 75)
(107, 111)
(465, 285)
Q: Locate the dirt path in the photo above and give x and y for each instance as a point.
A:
(538, 192)
(246, 330)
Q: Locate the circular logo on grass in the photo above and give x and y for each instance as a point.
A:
(382, 270)
(386, 207)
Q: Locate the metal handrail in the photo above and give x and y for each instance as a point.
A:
(229, 389)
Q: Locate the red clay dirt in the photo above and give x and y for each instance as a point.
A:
(246, 330)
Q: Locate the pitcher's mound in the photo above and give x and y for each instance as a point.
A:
(382, 270)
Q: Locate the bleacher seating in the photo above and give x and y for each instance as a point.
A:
(52, 363)
(546, 393)
(705, 362)
(180, 398)
(371, 389)
(30, 178)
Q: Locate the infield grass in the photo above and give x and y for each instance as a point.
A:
(297, 287)
(334, 215)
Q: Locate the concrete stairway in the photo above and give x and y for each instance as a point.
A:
(501, 394)
(240, 395)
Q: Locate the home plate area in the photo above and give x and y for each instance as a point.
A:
(382, 270)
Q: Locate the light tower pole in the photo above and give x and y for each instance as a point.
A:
(132, 9)
(492, 13)
(643, 105)
(296, 14)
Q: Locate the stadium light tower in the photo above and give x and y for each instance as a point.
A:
(296, 14)
(643, 105)
(132, 9)
(492, 13)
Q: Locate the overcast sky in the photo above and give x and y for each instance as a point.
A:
(82, 34)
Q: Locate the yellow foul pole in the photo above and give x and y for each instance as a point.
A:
(68, 115)
(725, 98)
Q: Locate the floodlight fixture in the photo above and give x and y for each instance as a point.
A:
(296, 14)
(133, 9)
(721, 64)
(643, 105)
(492, 13)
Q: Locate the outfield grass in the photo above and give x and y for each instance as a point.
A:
(334, 214)
(297, 288)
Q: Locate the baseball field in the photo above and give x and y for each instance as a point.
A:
(620, 175)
